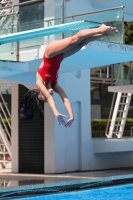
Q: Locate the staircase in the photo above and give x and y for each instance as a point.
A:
(6, 22)
(5, 134)
(6, 26)
(4, 7)
(115, 126)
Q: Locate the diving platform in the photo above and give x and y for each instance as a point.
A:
(45, 31)
(121, 88)
(112, 145)
(95, 54)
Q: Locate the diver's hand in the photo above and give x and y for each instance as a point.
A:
(60, 118)
(69, 122)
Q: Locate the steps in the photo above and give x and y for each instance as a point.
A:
(5, 135)
(119, 116)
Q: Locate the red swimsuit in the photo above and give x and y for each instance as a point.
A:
(49, 71)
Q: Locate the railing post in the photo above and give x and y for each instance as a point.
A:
(123, 35)
(112, 74)
(17, 43)
(62, 15)
(107, 71)
(130, 71)
(72, 21)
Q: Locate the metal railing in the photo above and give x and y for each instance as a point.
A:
(16, 14)
(5, 133)
(22, 4)
(111, 74)
(86, 13)
(62, 18)
(110, 114)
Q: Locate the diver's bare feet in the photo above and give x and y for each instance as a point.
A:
(108, 30)
(103, 28)
(111, 32)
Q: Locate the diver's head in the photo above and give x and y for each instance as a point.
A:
(41, 97)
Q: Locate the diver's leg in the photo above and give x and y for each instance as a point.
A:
(60, 46)
(85, 42)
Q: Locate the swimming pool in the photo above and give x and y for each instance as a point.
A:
(119, 192)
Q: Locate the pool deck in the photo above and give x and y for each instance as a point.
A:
(12, 181)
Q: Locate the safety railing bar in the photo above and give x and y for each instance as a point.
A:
(9, 15)
(1, 141)
(4, 156)
(5, 127)
(7, 131)
(2, 20)
(1, 150)
(5, 104)
(70, 16)
(5, 115)
(108, 82)
(21, 48)
(87, 13)
(4, 153)
(6, 11)
(110, 113)
(4, 29)
(21, 4)
(101, 78)
(7, 143)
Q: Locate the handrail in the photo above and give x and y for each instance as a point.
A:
(110, 114)
(21, 4)
(92, 12)
(9, 15)
(5, 104)
(9, 135)
(5, 115)
(76, 15)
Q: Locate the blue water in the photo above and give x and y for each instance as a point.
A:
(122, 192)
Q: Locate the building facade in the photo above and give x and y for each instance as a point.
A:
(74, 149)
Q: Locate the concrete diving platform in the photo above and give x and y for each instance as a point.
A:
(121, 88)
(93, 55)
(112, 145)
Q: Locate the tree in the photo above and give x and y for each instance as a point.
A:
(128, 27)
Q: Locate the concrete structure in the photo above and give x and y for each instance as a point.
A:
(72, 149)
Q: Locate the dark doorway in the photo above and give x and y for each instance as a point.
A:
(31, 139)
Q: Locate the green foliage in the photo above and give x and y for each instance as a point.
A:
(128, 27)
(100, 124)
(5, 121)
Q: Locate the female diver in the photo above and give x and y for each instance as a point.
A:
(55, 52)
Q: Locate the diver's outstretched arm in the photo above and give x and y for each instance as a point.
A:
(47, 95)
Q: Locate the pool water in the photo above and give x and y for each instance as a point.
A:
(121, 192)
